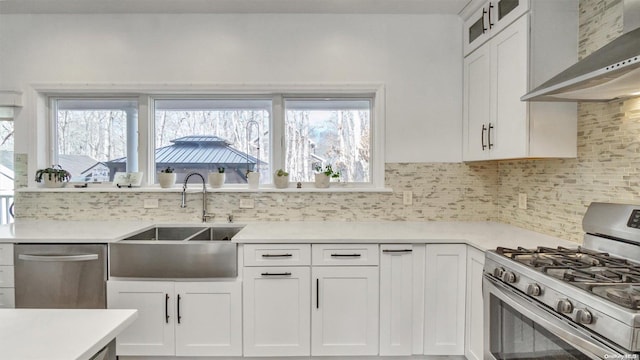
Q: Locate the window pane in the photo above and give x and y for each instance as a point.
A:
(6, 171)
(202, 135)
(92, 137)
(334, 132)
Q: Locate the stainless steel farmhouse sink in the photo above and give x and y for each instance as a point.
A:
(176, 252)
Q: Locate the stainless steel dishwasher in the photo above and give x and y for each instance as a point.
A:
(60, 276)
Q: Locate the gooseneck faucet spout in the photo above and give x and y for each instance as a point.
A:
(204, 195)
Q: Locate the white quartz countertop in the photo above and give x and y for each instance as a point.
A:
(482, 235)
(59, 334)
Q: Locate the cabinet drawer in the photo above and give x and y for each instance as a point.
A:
(6, 254)
(7, 298)
(6, 276)
(277, 255)
(344, 254)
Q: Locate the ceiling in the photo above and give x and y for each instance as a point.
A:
(233, 6)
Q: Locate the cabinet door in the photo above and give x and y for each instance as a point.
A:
(474, 305)
(208, 318)
(509, 63)
(445, 299)
(276, 308)
(152, 333)
(476, 105)
(396, 300)
(344, 314)
(476, 29)
(7, 298)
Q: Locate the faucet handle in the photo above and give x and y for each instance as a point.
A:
(207, 216)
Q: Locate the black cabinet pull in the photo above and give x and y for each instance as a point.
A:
(166, 308)
(276, 274)
(318, 293)
(484, 28)
(489, 136)
(179, 317)
(346, 255)
(484, 128)
(397, 251)
(276, 255)
(490, 22)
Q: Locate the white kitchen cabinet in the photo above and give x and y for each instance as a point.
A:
(152, 333)
(206, 320)
(396, 299)
(474, 328)
(7, 290)
(277, 311)
(344, 314)
(445, 287)
(490, 19)
(519, 56)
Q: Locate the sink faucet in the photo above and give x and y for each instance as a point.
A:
(204, 195)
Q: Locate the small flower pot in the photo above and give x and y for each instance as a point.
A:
(253, 178)
(281, 182)
(216, 180)
(322, 181)
(53, 182)
(166, 180)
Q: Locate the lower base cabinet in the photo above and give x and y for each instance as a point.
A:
(344, 314)
(474, 344)
(445, 286)
(179, 318)
(276, 308)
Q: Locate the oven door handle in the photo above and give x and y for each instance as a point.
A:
(556, 326)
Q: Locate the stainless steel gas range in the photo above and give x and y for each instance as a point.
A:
(561, 303)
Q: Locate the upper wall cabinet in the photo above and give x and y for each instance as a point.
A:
(492, 17)
(525, 43)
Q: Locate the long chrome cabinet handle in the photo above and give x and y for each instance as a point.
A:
(59, 258)
(276, 255)
(397, 251)
(346, 255)
(484, 28)
(484, 128)
(490, 23)
(317, 293)
(489, 136)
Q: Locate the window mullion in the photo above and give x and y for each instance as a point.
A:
(278, 128)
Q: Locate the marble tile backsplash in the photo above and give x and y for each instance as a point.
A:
(441, 191)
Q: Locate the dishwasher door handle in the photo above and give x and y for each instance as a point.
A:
(58, 258)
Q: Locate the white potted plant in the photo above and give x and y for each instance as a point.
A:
(53, 177)
(253, 179)
(281, 179)
(167, 177)
(323, 176)
(216, 179)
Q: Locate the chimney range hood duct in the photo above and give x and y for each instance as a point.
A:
(609, 73)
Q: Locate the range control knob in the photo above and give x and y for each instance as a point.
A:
(497, 272)
(583, 316)
(534, 290)
(564, 306)
(509, 277)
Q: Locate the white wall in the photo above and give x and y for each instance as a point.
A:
(418, 58)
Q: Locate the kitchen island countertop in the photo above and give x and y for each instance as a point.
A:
(59, 334)
(482, 235)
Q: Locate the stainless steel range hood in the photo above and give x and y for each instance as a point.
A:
(609, 73)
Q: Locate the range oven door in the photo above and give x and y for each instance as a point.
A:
(520, 328)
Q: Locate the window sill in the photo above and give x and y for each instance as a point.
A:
(196, 188)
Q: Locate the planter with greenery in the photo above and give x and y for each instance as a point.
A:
(216, 179)
(167, 177)
(53, 177)
(323, 176)
(281, 179)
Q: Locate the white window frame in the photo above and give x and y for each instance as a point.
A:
(44, 126)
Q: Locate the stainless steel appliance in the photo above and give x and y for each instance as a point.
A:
(62, 276)
(560, 303)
